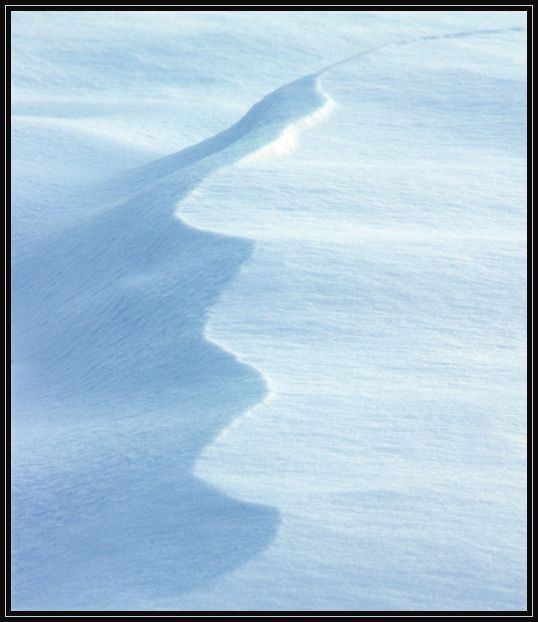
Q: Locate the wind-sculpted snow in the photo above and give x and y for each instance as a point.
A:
(264, 123)
(111, 315)
(451, 35)
(118, 390)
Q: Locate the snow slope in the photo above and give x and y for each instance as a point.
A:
(282, 367)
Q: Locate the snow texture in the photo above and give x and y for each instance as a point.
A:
(268, 310)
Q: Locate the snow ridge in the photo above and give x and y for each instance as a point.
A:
(286, 113)
(112, 315)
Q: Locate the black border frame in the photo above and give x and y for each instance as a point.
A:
(8, 612)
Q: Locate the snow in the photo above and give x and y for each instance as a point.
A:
(269, 310)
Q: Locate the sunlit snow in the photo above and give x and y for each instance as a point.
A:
(268, 276)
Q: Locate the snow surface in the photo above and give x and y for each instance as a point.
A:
(269, 310)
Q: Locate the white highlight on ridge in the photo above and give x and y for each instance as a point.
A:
(287, 142)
